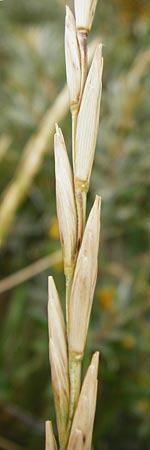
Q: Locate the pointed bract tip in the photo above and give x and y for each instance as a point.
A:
(57, 128)
(98, 54)
(68, 11)
(50, 439)
(100, 46)
(95, 362)
(50, 278)
(69, 18)
(67, 14)
(48, 424)
(51, 287)
(98, 201)
(48, 427)
(58, 136)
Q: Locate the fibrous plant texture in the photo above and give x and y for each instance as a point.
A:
(75, 404)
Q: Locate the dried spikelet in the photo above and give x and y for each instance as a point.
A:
(84, 13)
(65, 201)
(56, 325)
(58, 358)
(72, 58)
(50, 443)
(84, 281)
(60, 389)
(88, 120)
(85, 411)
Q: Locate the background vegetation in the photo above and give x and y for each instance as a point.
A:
(32, 76)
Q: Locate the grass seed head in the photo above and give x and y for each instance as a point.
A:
(75, 408)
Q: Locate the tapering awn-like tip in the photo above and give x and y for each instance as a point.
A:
(50, 439)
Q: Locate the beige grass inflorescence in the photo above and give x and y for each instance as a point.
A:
(75, 404)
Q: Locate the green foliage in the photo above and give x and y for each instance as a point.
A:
(32, 74)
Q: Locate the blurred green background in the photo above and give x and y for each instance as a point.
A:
(32, 75)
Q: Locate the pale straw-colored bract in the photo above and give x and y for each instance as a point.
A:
(65, 199)
(72, 57)
(84, 281)
(88, 119)
(75, 402)
(56, 325)
(50, 443)
(84, 415)
(84, 13)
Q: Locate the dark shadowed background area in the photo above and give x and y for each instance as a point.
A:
(32, 76)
